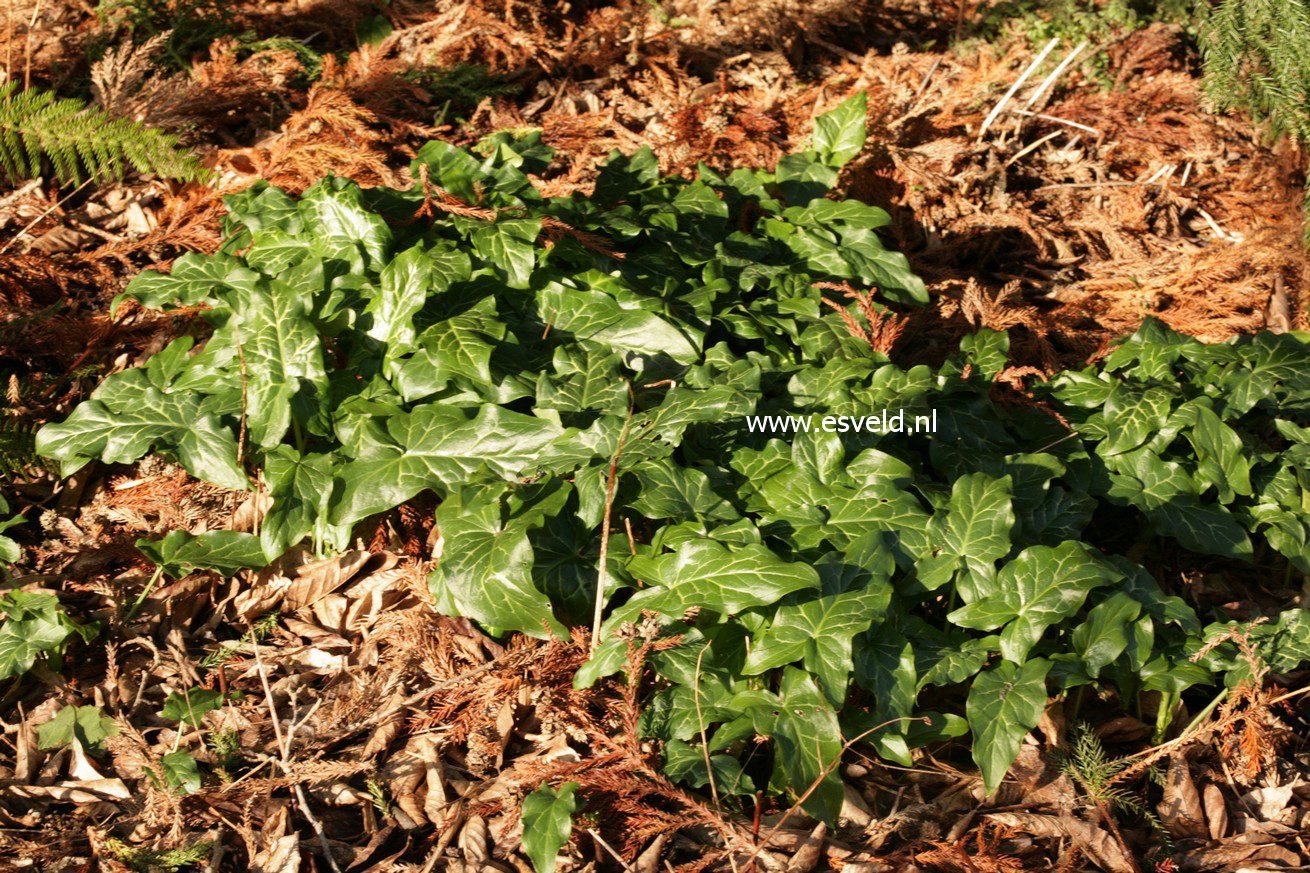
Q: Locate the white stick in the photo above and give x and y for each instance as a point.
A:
(1214, 225)
(1160, 172)
(1028, 148)
(987, 122)
(1055, 74)
(1045, 117)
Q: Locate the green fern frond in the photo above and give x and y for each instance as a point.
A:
(1087, 764)
(81, 142)
(17, 446)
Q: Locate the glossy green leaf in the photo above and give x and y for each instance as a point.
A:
(816, 628)
(1106, 633)
(508, 245)
(282, 359)
(1039, 588)
(437, 447)
(9, 550)
(978, 519)
(669, 491)
(1004, 703)
(839, 134)
(86, 724)
(126, 417)
(486, 568)
(547, 815)
(225, 551)
(301, 487)
(705, 573)
(35, 626)
(334, 209)
(181, 772)
(687, 764)
(809, 746)
(190, 707)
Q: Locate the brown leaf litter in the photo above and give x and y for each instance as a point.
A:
(373, 734)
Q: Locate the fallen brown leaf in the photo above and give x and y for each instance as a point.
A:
(1216, 811)
(807, 855)
(1099, 845)
(1180, 810)
(1235, 855)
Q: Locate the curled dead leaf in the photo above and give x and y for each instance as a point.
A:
(281, 855)
(1235, 855)
(1180, 810)
(808, 854)
(84, 791)
(473, 841)
(854, 809)
(403, 774)
(1216, 811)
(296, 587)
(649, 860)
(437, 799)
(1100, 846)
(1270, 802)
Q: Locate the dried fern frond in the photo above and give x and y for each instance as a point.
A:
(117, 76)
(81, 142)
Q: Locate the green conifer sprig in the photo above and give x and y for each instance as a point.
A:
(81, 142)
(1257, 57)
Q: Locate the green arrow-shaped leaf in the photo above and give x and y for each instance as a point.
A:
(437, 447)
(817, 627)
(486, 566)
(809, 746)
(127, 416)
(839, 133)
(226, 551)
(706, 573)
(1004, 703)
(1035, 590)
(547, 823)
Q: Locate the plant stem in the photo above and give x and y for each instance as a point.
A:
(601, 572)
(141, 598)
(1163, 717)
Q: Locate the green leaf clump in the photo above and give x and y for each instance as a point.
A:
(35, 627)
(531, 361)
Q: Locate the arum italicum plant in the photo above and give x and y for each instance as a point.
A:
(472, 338)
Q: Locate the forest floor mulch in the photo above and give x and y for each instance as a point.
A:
(406, 739)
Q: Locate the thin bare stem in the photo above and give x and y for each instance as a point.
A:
(1018, 83)
(284, 745)
(602, 573)
(33, 223)
(818, 780)
(704, 742)
(241, 433)
(607, 847)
